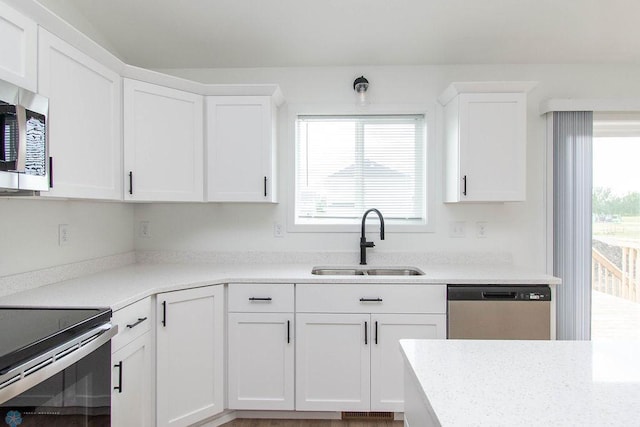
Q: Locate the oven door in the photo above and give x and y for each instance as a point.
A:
(68, 386)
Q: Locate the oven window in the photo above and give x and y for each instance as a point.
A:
(78, 396)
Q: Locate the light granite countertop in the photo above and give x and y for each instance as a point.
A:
(119, 287)
(528, 383)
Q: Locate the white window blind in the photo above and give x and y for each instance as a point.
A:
(348, 164)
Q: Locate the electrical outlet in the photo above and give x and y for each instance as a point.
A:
(145, 229)
(64, 236)
(278, 230)
(457, 229)
(481, 229)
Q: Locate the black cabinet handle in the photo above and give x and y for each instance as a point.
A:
(164, 313)
(119, 386)
(370, 299)
(376, 336)
(365, 333)
(260, 299)
(288, 331)
(130, 182)
(464, 185)
(140, 320)
(265, 186)
(50, 172)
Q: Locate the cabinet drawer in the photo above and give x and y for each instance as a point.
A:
(370, 298)
(261, 298)
(133, 321)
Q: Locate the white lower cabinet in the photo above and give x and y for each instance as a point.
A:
(261, 346)
(131, 384)
(352, 361)
(189, 355)
(261, 361)
(387, 364)
(332, 362)
(132, 366)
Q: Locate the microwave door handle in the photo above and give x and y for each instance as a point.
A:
(21, 149)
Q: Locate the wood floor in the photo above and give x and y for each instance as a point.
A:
(310, 423)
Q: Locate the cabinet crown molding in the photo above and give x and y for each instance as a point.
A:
(150, 76)
(456, 88)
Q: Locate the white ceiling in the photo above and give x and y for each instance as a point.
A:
(274, 33)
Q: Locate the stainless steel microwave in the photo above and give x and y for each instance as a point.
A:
(24, 158)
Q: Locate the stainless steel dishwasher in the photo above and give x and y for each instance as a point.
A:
(499, 312)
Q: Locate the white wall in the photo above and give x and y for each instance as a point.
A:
(518, 228)
(29, 232)
(29, 228)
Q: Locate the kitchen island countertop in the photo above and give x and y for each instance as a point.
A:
(524, 383)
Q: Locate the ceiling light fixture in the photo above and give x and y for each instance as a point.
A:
(360, 85)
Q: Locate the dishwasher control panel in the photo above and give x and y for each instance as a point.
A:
(498, 293)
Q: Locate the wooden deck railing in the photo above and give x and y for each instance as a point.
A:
(621, 282)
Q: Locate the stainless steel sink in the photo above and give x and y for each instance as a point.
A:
(394, 272)
(382, 271)
(337, 271)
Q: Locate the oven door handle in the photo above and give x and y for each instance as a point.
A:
(22, 377)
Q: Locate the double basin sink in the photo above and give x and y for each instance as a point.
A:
(364, 271)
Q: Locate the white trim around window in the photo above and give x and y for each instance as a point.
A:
(425, 226)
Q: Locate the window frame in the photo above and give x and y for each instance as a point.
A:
(428, 226)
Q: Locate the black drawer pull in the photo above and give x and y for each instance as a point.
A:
(365, 333)
(376, 336)
(164, 313)
(260, 299)
(140, 320)
(288, 331)
(370, 299)
(119, 386)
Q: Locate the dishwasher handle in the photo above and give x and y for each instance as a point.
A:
(498, 295)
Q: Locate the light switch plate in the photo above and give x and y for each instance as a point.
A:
(64, 235)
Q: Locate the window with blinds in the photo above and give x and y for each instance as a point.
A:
(348, 164)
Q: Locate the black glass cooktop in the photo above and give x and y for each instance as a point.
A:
(26, 332)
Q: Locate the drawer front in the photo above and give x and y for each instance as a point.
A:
(261, 298)
(371, 298)
(133, 321)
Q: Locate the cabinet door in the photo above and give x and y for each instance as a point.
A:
(240, 133)
(261, 361)
(18, 48)
(332, 362)
(131, 384)
(85, 121)
(189, 355)
(387, 388)
(163, 143)
(492, 146)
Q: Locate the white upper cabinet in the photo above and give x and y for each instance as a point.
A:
(485, 141)
(163, 143)
(241, 149)
(18, 48)
(85, 99)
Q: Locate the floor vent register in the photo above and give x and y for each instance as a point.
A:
(367, 416)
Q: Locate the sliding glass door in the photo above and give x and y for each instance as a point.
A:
(615, 312)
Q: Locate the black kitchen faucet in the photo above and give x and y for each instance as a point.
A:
(363, 241)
